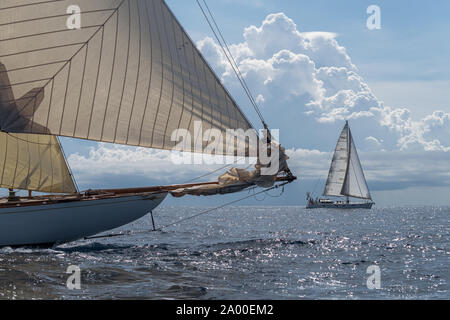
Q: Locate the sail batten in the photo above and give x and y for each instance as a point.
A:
(346, 176)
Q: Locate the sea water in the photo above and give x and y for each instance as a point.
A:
(247, 253)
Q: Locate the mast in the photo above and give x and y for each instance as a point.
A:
(348, 162)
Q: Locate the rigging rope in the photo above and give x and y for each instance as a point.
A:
(217, 170)
(130, 233)
(68, 165)
(226, 50)
(315, 186)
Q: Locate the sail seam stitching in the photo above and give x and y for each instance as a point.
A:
(162, 79)
(83, 45)
(50, 17)
(150, 74)
(166, 36)
(126, 71)
(210, 69)
(138, 74)
(96, 82)
(30, 4)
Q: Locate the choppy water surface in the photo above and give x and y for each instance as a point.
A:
(248, 253)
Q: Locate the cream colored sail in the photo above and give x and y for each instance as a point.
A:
(130, 75)
(34, 162)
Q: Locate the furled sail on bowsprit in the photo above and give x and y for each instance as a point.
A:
(34, 162)
(130, 75)
(346, 176)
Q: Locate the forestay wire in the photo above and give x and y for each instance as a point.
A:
(226, 50)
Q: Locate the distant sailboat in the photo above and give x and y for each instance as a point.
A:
(345, 179)
(129, 74)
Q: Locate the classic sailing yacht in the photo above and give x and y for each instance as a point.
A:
(129, 74)
(346, 178)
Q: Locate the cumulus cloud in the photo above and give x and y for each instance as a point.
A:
(110, 165)
(309, 72)
(314, 72)
(373, 143)
(383, 169)
(119, 166)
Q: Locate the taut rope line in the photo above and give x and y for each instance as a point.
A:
(130, 233)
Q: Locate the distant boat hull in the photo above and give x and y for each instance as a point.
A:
(49, 224)
(335, 205)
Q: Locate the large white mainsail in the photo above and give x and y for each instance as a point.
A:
(346, 176)
(130, 75)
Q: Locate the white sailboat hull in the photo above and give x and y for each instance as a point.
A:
(58, 223)
(334, 205)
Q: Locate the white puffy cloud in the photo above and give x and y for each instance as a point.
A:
(383, 169)
(431, 132)
(373, 143)
(119, 166)
(313, 72)
(278, 32)
(109, 165)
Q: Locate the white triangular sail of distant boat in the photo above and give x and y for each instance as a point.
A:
(346, 176)
(355, 184)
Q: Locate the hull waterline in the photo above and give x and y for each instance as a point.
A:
(47, 224)
(347, 206)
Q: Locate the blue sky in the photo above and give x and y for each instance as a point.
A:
(405, 65)
(412, 45)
